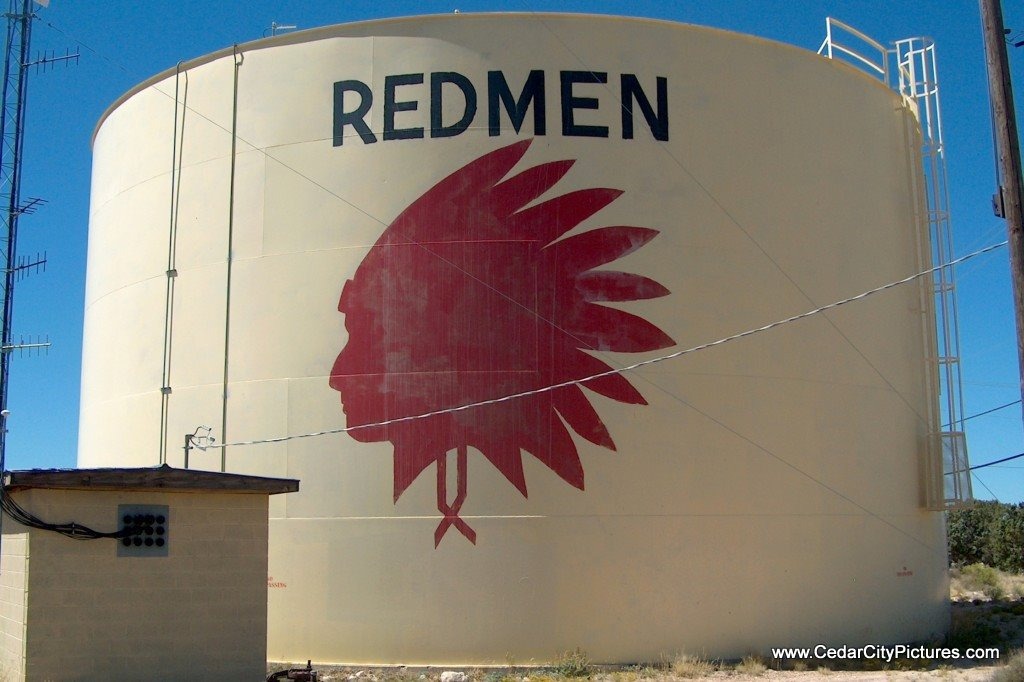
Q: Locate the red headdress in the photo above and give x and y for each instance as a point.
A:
(470, 295)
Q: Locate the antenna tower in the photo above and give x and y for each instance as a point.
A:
(12, 126)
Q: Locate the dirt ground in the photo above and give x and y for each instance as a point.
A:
(971, 674)
(962, 675)
(977, 621)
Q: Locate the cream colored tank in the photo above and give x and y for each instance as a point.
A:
(363, 223)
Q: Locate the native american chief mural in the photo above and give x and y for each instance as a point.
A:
(473, 294)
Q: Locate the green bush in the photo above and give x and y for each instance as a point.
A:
(1008, 539)
(983, 578)
(987, 532)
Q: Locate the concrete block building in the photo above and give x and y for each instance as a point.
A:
(179, 593)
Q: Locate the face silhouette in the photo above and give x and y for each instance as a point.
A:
(358, 373)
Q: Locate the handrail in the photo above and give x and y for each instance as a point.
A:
(856, 55)
(831, 46)
(867, 39)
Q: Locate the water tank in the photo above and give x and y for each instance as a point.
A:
(478, 221)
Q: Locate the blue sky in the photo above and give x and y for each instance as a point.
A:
(123, 43)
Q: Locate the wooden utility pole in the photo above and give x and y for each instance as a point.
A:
(1008, 199)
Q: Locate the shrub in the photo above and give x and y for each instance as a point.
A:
(573, 663)
(1008, 539)
(968, 531)
(983, 578)
(987, 532)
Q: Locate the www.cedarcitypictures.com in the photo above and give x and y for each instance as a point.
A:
(886, 653)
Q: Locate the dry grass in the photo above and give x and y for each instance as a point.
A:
(978, 581)
(691, 667)
(1013, 671)
(751, 665)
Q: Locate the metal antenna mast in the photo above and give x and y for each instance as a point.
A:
(12, 126)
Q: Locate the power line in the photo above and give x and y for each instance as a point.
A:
(982, 414)
(998, 461)
(627, 368)
(983, 485)
(75, 531)
(81, 44)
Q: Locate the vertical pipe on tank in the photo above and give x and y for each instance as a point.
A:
(177, 146)
(238, 58)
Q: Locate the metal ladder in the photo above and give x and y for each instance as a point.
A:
(909, 67)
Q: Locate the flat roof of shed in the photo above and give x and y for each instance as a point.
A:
(147, 479)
